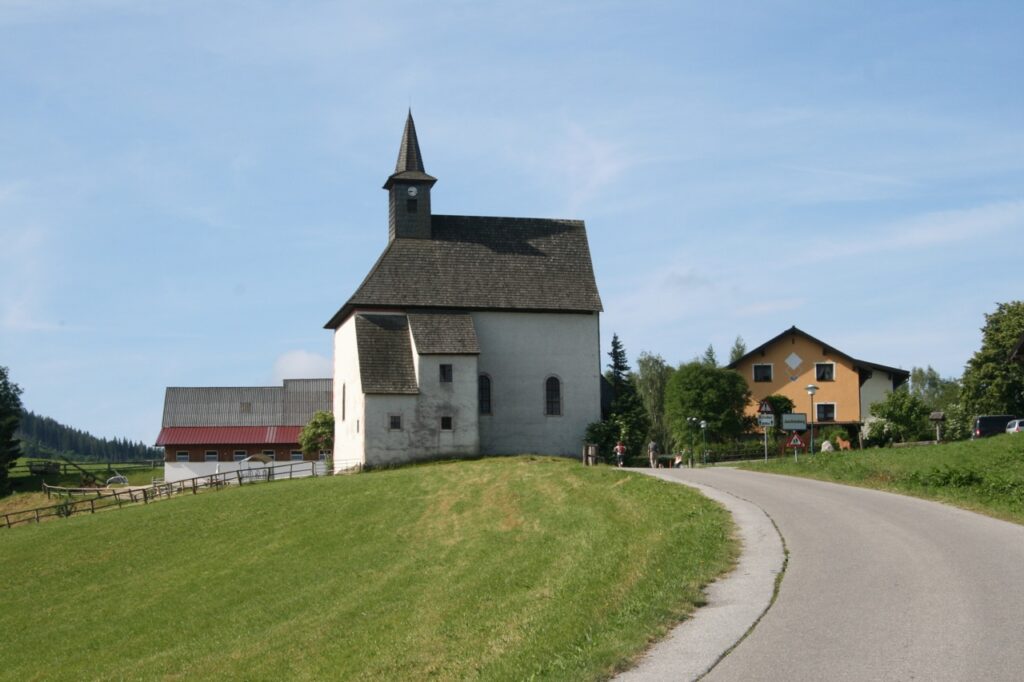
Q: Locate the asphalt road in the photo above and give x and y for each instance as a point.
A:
(879, 587)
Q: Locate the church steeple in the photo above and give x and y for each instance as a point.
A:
(409, 190)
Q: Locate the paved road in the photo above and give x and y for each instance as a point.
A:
(879, 587)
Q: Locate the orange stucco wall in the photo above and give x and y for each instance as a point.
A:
(844, 391)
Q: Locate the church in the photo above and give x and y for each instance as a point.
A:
(470, 335)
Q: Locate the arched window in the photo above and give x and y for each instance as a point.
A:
(484, 392)
(553, 397)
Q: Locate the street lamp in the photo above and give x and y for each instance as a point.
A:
(693, 421)
(811, 390)
(704, 438)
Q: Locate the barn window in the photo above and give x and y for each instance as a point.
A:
(296, 455)
(181, 456)
(245, 408)
(210, 456)
(240, 455)
(484, 390)
(446, 374)
(446, 423)
(553, 397)
(762, 373)
(270, 453)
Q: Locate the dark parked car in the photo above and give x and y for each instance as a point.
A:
(991, 425)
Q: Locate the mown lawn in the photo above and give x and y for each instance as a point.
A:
(985, 475)
(511, 568)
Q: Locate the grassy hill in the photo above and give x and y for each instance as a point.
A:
(985, 475)
(495, 569)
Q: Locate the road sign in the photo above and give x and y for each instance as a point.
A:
(794, 422)
(766, 420)
(796, 441)
(765, 408)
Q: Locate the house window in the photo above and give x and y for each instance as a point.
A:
(553, 397)
(239, 455)
(762, 373)
(446, 423)
(181, 456)
(825, 371)
(484, 390)
(270, 453)
(395, 422)
(210, 456)
(296, 455)
(446, 374)
(825, 412)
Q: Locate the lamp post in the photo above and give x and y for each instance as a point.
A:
(693, 421)
(811, 390)
(704, 439)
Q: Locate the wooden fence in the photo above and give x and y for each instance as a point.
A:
(92, 500)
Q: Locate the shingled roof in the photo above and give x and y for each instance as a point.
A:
(293, 404)
(485, 263)
(444, 334)
(385, 354)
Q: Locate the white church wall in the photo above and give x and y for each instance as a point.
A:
(349, 407)
(421, 434)
(519, 351)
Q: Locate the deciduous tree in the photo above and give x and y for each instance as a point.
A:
(715, 395)
(318, 435)
(651, 378)
(991, 383)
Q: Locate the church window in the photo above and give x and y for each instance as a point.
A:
(553, 397)
(446, 423)
(343, 402)
(484, 387)
(411, 205)
(446, 374)
(395, 422)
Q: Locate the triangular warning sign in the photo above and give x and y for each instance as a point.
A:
(796, 441)
(765, 408)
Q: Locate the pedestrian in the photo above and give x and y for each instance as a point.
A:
(652, 454)
(620, 454)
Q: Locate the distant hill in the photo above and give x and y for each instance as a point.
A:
(46, 437)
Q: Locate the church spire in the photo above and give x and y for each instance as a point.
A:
(409, 190)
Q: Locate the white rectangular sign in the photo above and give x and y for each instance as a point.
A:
(794, 422)
(766, 420)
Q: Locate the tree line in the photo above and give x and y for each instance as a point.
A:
(698, 401)
(46, 437)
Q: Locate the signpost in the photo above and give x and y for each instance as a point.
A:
(794, 422)
(797, 443)
(766, 418)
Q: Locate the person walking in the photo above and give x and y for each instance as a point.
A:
(620, 453)
(652, 454)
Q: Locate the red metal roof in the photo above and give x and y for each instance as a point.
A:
(229, 435)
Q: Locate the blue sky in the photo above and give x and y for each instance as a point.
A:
(190, 190)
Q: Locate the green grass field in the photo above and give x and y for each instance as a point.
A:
(985, 475)
(511, 568)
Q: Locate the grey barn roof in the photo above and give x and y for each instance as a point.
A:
(444, 334)
(292, 404)
(385, 354)
(484, 263)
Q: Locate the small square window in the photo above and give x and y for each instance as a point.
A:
(446, 423)
(239, 455)
(270, 453)
(296, 455)
(210, 456)
(762, 373)
(825, 371)
(395, 422)
(446, 374)
(826, 412)
(181, 456)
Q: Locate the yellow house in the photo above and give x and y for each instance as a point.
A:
(847, 387)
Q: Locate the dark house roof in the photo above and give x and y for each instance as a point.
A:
(292, 404)
(444, 334)
(899, 376)
(385, 354)
(484, 263)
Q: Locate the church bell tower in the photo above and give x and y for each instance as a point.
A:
(409, 190)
